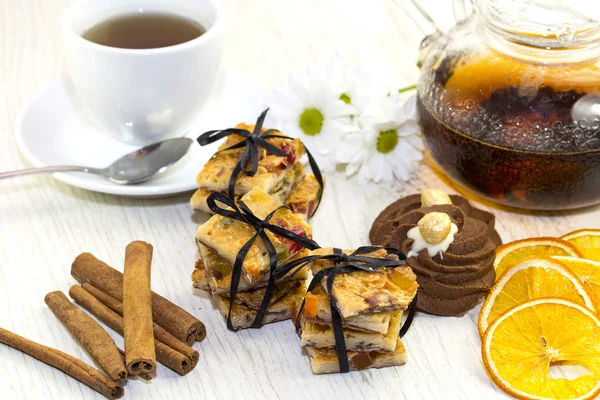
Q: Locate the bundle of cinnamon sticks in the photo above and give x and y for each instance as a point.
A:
(154, 328)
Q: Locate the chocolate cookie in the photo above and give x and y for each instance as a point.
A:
(452, 281)
(387, 229)
(447, 308)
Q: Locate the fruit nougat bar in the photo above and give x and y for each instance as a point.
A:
(226, 236)
(370, 305)
(276, 175)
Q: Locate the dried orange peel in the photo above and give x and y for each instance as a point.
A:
(587, 242)
(511, 253)
(311, 305)
(479, 76)
(532, 278)
(521, 345)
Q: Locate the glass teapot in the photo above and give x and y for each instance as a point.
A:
(509, 102)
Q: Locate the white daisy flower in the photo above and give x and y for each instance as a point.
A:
(309, 108)
(355, 86)
(387, 146)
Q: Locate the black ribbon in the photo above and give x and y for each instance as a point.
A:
(243, 214)
(343, 264)
(248, 162)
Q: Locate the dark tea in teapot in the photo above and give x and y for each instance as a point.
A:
(519, 134)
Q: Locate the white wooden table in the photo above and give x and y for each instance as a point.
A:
(44, 224)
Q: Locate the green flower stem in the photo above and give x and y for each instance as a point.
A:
(406, 89)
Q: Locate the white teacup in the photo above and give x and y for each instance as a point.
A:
(143, 96)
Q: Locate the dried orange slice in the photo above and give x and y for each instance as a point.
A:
(588, 272)
(510, 253)
(519, 348)
(587, 241)
(532, 278)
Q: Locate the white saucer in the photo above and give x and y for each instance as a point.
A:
(51, 131)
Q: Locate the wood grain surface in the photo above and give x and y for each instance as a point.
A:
(44, 223)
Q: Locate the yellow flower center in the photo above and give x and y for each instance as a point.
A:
(387, 141)
(345, 98)
(311, 121)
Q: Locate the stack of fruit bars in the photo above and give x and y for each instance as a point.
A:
(370, 305)
(281, 177)
(220, 240)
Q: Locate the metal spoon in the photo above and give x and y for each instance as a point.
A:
(135, 167)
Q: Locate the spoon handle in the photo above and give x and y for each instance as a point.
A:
(43, 170)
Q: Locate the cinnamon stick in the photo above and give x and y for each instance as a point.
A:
(106, 299)
(140, 355)
(70, 365)
(159, 333)
(164, 354)
(172, 318)
(94, 339)
(143, 375)
(97, 309)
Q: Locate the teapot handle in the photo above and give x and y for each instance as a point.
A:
(426, 24)
(462, 9)
(418, 15)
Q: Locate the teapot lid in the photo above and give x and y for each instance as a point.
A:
(549, 24)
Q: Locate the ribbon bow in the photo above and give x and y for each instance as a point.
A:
(245, 215)
(343, 264)
(248, 162)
